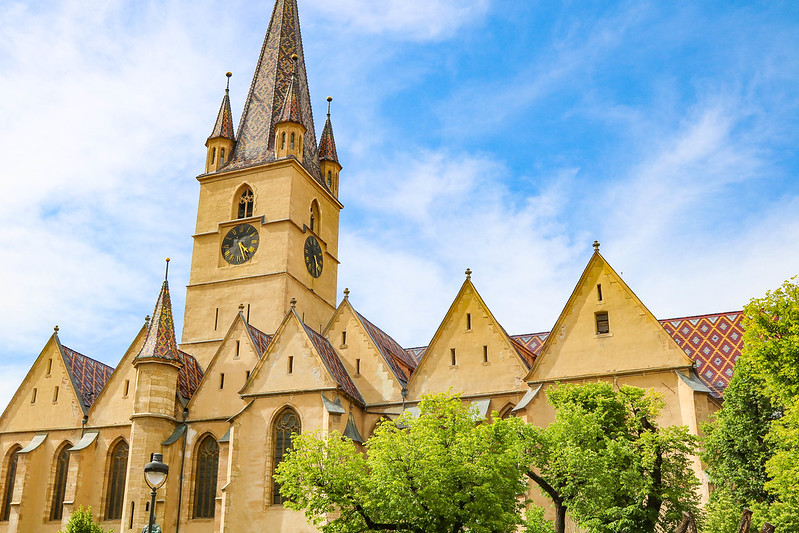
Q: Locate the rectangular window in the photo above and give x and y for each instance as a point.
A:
(238, 348)
(247, 376)
(132, 512)
(344, 338)
(599, 292)
(222, 380)
(468, 321)
(291, 364)
(248, 313)
(602, 323)
(49, 366)
(485, 354)
(127, 388)
(452, 354)
(55, 394)
(357, 366)
(216, 319)
(33, 395)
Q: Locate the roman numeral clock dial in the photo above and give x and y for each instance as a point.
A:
(240, 244)
(313, 256)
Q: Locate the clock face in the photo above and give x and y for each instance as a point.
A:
(313, 256)
(240, 244)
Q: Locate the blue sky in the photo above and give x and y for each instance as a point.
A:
(500, 136)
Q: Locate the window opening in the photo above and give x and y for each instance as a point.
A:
(127, 387)
(11, 475)
(291, 144)
(205, 478)
(485, 354)
(55, 394)
(468, 321)
(60, 484)
(599, 292)
(248, 312)
(291, 364)
(329, 178)
(132, 511)
(283, 140)
(238, 348)
(49, 366)
(117, 471)
(222, 380)
(247, 376)
(344, 337)
(357, 366)
(33, 395)
(246, 201)
(213, 155)
(602, 323)
(288, 424)
(221, 155)
(452, 354)
(216, 319)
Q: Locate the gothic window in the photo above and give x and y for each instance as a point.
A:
(292, 142)
(288, 423)
(213, 155)
(246, 201)
(205, 478)
(60, 483)
(329, 179)
(117, 471)
(221, 155)
(315, 224)
(283, 141)
(11, 476)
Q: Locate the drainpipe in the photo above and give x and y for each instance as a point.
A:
(182, 462)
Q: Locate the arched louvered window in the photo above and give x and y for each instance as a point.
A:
(60, 483)
(11, 476)
(315, 217)
(287, 424)
(246, 201)
(205, 478)
(117, 470)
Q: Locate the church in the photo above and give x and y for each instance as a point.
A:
(270, 347)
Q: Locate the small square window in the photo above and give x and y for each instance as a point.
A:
(602, 323)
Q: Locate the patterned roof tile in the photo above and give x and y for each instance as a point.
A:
(88, 375)
(260, 339)
(327, 144)
(290, 112)
(189, 375)
(223, 127)
(402, 364)
(334, 364)
(160, 341)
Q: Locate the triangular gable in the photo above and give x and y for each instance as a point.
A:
(636, 341)
(401, 363)
(88, 376)
(486, 359)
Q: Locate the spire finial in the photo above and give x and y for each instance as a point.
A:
(293, 303)
(346, 293)
(227, 87)
(468, 273)
(55, 329)
(147, 321)
(241, 307)
(166, 271)
(596, 246)
(329, 99)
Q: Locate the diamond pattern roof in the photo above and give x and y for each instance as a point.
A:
(402, 364)
(223, 127)
(260, 339)
(334, 364)
(160, 341)
(189, 375)
(88, 375)
(327, 144)
(290, 112)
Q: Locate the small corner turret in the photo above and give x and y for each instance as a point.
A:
(222, 140)
(289, 130)
(328, 158)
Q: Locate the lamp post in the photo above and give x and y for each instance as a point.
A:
(155, 473)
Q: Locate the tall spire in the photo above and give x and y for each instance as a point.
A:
(327, 144)
(291, 110)
(223, 127)
(270, 84)
(160, 341)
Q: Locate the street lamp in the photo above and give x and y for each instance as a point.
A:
(155, 473)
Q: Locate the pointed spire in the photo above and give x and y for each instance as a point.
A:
(160, 342)
(291, 105)
(327, 144)
(223, 127)
(270, 84)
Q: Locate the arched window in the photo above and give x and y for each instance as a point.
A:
(316, 221)
(213, 155)
(292, 141)
(60, 483)
(205, 478)
(283, 140)
(288, 423)
(246, 201)
(11, 476)
(221, 155)
(117, 470)
(329, 179)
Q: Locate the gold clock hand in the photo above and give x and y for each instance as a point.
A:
(243, 250)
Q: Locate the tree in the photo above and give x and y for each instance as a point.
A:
(442, 471)
(81, 521)
(608, 464)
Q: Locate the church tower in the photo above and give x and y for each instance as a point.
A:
(267, 219)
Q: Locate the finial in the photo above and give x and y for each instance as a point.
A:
(147, 320)
(55, 329)
(596, 246)
(346, 293)
(329, 99)
(293, 303)
(166, 272)
(241, 308)
(468, 273)
(228, 74)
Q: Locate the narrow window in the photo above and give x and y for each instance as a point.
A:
(357, 366)
(316, 220)
(205, 478)
(602, 323)
(599, 292)
(11, 476)
(468, 321)
(222, 380)
(246, 201)
(117, 470)
(55, 394)
(485, 354)
(132, 513)
(127, 388)
(213, 155)
(291, 144)
(221, 155)
(247, 376)
(33, 395)
(288, 424)
(329, 178)
(238, 349)
(291, 364)
(216, 319)
(248, 313)
(283, 141)
(312, 219)
(344, 337)
(60, 484)
(452, 354)
(49, 366)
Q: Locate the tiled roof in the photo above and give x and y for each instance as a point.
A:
(290, 112)
(260, 339)
(327, 144)
(532, 341)
(189, 375)
(400, 362)
(223, 127)
(256, 142)
(525, 354)
(88, 376)
(160, 341)
(334, 364)
(416, 353)
(714, 342)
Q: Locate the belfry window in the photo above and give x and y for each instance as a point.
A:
(292, 142)
(60, 483)
(283, 141)
(213, 155)
(329, 179)
(221, 155)
(288, 424)
(205, 478)
(117, 470)
(11, 476)
(315, 224)
(246, 201)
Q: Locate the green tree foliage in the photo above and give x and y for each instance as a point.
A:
(440, 471)
(81, 521)
(608, 464)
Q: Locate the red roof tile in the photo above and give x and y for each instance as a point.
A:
(223, 127)
(334, 364)
(260, 339)
(160, 341)
(402, 364)
(189, 375)
(88, 375)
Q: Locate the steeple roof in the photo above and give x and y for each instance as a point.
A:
(223, 127)
(327, 144)
(290, 112)
(160, 341)
(270, 84)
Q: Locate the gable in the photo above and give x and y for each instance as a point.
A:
(635, 340)
(485, 359)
